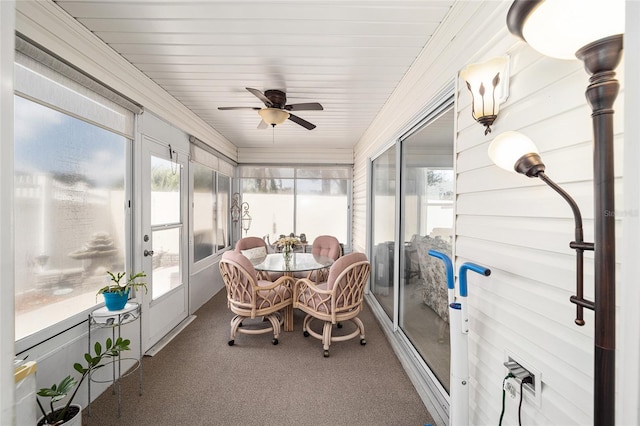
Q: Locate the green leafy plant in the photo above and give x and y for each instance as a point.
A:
(59, 391)
(117, 286)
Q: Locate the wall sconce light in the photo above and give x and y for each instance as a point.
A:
(488, 83)
(273, 116)
(592, 32)
(240, 211)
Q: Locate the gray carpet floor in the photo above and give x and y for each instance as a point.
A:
(197, 379)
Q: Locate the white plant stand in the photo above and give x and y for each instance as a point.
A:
(103, 318)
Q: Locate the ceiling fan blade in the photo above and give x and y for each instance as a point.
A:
(230, 108)
(300, 121)
(258, 94)
(309, 106)
(262, 125)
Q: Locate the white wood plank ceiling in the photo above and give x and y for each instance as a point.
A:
(348, 55)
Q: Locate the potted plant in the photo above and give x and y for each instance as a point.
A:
(70, 414)
(116, 293)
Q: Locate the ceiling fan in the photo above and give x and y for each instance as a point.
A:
(277, 110)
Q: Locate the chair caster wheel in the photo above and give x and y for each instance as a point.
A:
(231, 342)
(274, 341)
(305, 333)
(339, 325)
(363, 342)
(326, 354)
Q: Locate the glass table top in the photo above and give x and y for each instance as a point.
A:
(298, 262)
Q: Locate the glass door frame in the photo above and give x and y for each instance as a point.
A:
(434, 395)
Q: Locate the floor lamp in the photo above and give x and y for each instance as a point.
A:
(591, 31)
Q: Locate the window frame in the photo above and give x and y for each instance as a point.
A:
(296, 169)
(82, 85)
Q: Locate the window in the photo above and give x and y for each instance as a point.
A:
(322, 204)
(383, 218)
(304, 200)
(204, 220)
(211, 192)
(223, 195)
(70, 154)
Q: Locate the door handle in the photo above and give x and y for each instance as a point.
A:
(148, 252)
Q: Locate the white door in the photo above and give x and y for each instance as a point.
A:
(164, 240)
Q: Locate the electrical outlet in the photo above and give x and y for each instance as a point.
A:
(522, 370)
(519, 372)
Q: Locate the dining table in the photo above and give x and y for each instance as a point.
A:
(288, 265)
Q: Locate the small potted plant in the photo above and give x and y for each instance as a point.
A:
(116, 293)
(70, 414)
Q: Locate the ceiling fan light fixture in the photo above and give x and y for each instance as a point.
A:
(273, 116)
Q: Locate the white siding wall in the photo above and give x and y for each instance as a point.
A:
(359, 205)
(517, 226)
(521, 229)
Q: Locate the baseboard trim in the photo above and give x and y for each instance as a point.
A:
(169, 336)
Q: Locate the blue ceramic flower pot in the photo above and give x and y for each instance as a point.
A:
(115, 301)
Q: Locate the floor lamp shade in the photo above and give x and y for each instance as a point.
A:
(559, 28)
(508, 147)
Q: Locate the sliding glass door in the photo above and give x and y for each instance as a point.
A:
(383, 219)
(427, 223)
(414, 294)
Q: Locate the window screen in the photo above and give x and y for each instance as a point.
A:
(71, 150)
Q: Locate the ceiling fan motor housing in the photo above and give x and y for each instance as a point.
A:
(278, 98)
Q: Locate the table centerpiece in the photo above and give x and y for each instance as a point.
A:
(286, 245)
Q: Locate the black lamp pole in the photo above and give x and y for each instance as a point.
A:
(600, 59)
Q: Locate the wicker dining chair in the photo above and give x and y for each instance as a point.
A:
(323, 245)
(251, 297)
(251, 243)
(335, 301)
(252, 248)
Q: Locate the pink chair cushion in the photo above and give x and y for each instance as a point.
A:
(249, 243)
(240, 259)
(341, 264)
(326, 245)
